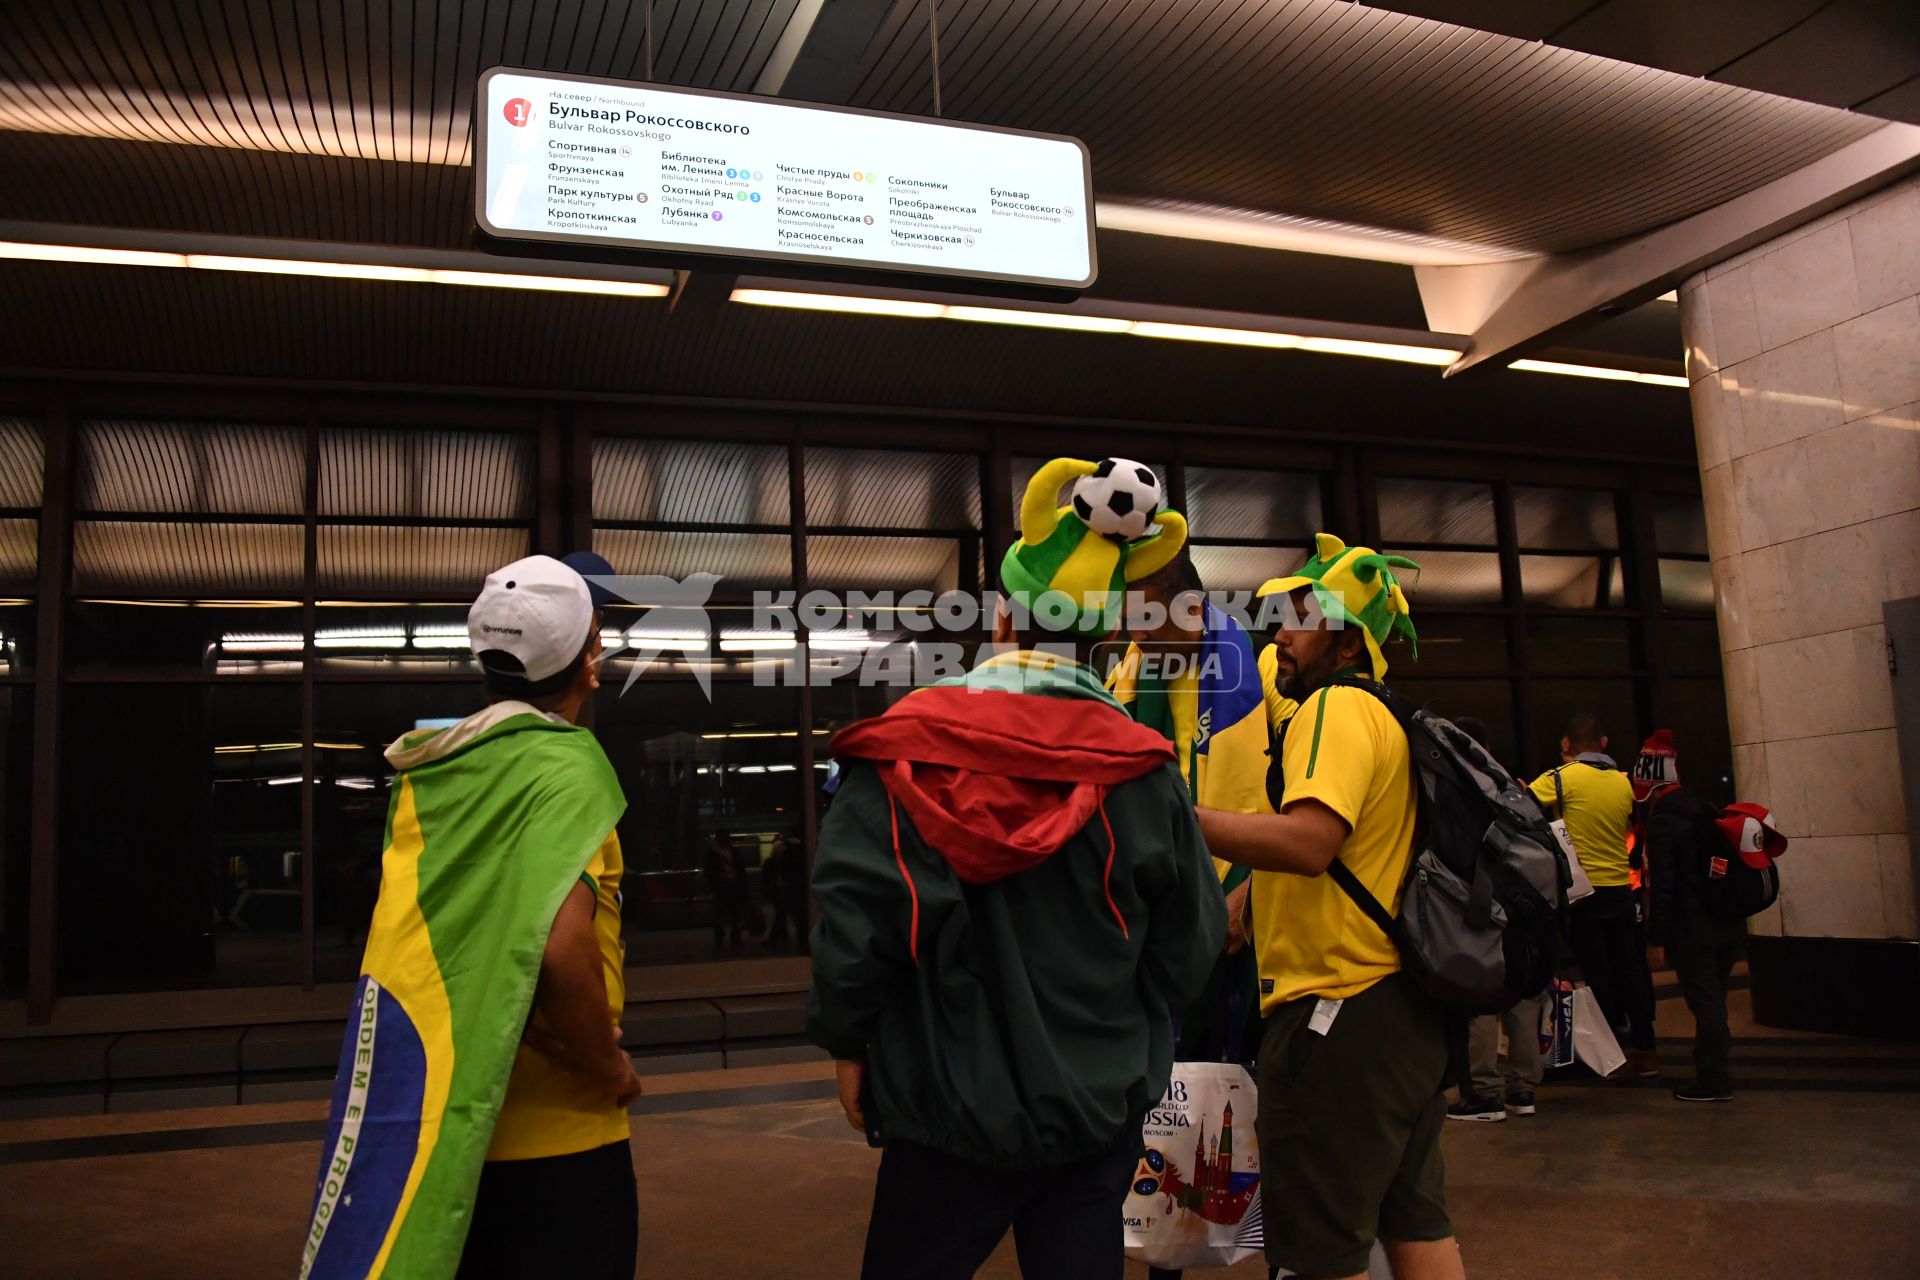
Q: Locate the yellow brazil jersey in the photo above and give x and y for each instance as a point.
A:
(1599, 809)
(548, 1110)
(1343, 749)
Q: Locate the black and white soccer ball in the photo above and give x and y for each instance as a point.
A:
(1119, 499)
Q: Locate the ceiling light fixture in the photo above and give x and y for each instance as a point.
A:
(26, 251)
(1598, 371)
(1366, 348)
(900, 307)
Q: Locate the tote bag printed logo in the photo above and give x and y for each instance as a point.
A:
(1195, 1198)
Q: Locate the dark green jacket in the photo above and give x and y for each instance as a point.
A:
(1016, 1020)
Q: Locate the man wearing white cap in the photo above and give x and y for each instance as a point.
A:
(479, 1126)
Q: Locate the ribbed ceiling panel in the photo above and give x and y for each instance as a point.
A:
(366, 78)
(690, 482)
(744, 561)
(221, 561)
(432, 561)
(1436, 511)
(446, 475)
(19, 553)
(1450, 577)
(892, 488)
(23, 461)
(1334, 110)
(1553, 519)
(842, 563)
(1227, 502)
(1243, 568)
(191, 468)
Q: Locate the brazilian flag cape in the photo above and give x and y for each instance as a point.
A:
(1214, 713)
(1217, 715)
(491, 823)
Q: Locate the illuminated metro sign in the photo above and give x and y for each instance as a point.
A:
(579, 160)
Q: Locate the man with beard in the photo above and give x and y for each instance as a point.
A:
(1353, 1057)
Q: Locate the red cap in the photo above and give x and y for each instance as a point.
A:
(1658, 765)
(1749, 828)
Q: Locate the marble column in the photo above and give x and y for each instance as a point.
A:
(1804, 361)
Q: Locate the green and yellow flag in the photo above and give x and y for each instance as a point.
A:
(491, 822)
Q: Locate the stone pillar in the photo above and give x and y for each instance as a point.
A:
(1804, 358)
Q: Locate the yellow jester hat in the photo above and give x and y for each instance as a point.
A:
(1068, 575)
(1357, 586)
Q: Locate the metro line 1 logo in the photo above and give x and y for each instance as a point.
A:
(518, 111)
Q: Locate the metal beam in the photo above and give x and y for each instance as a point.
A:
(1511, 309)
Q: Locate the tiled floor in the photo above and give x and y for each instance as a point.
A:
(1812, 1172)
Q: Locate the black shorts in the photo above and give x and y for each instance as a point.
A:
(1349, 1127)
(576, 1216)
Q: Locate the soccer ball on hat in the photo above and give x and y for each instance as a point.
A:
(1119, 499)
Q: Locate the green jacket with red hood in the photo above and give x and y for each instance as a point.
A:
(1014, 898)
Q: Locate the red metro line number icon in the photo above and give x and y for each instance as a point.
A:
(517, 111)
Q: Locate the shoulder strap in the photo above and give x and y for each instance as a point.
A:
(1342, 875)
(1559, 795)
(1368, 904)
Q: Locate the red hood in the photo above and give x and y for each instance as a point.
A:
(997, 782)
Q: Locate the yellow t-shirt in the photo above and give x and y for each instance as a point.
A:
(548, 1110)
(1343, 749)
(1599, 811)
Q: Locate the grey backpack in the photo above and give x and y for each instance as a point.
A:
(1485, 898)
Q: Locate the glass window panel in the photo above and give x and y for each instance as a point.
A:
(19, 553)
(1573, 582)
(180, 857)
(745, 562)
(1233, 502)
(224, 638)
(1450, 578)
(1701, 736)
(16, 789)
(19, 639)
(1023, 469)
(1552, 519)
(1227, 568)
(1680, 524)
(690, 482)
(144, 557)
(191, 468)
(393, 639)
(892, 488)
(1556, 701)
(1436, 511)
(429, 560)
(353, 724)
(694, 767)
(22, 462)
(843, 563)
(1693, 646)
(1455, 644)
(1580, 646)
(443, 475)
(1687, 585)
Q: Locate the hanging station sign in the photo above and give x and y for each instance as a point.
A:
(578, 160)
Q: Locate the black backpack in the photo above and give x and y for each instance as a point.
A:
(1485, 898)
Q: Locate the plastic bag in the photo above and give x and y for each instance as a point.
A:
(1593, 1040)
(1195, 1199)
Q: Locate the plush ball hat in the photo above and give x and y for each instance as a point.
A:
(1658, 765)
(1066, 574)
(1356, 585)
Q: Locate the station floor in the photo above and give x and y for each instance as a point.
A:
(1813, 1171)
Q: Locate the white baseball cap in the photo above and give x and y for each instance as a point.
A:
(536, 610)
